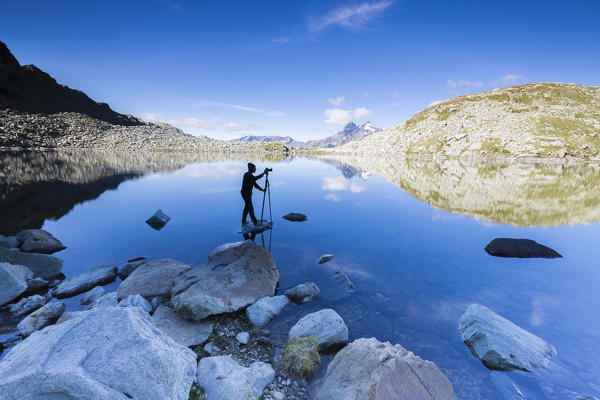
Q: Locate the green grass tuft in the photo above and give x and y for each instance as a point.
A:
(301, 356)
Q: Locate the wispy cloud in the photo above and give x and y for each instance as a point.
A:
(333, 197)
(340, 116)
(454, 84)
(338, 183)
(336, 101)
(349, 16)
(266, 111)
(213, 124)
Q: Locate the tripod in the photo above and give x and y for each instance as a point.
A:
(266, 193)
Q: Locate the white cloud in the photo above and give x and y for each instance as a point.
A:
(340, 116)
(336, 101)
(361, 112)
(453, 84)
(357, 187)
(434, 103)
(214, 124)
(334, 183)
(349, 16)
(210, 103)
(333, 197)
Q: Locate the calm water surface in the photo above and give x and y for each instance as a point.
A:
(416, 268)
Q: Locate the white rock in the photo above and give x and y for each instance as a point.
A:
(101, 275)
(152, 279)
(42, 265)
(28, 304)
(185, 332)
(41, 318)
(243, 337)
(107, 300)
(266, 309)
(135, 300)
(325, 325)
(92, 295)
(13, 281)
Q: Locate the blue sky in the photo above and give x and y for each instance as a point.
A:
(299, 68)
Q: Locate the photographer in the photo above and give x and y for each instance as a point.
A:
(247, 184)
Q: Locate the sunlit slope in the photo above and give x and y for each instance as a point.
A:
(534, 120)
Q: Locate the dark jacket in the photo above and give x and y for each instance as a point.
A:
(248, 182)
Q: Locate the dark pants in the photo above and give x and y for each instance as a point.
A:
(248, 208)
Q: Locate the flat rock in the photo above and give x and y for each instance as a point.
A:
(135, 300)
(325, 325)
(106, 300)
(105, 354)
(39, 241)
(101, 275)
(41, 318)
(303, 293)
(368, 369)
(36, 283)
(235, 276)
(521, 248)
(28, 304)
(266, 309)
(130, 266)
(92, 295)
(152, 279)
(13, 281)
(42, 265)
(500, 344)
(158, 220)
(326, 258)
(186, 333)
(295, 217)
(224, 379)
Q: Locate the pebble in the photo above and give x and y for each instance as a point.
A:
(243, 337)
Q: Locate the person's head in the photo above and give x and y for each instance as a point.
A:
(251, 167)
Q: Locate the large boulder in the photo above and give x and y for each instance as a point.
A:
(185, 332)
(235, 276)
(500, 344)
(41, 318)
(39, 241)
(42, 265)
(105, 354)
(303, 293)
(153, 279)
(13, 281)
(101, 275)
(521, 248)
(224, 379)
(29, 304)
(265, 309)
(325, 325)
(368, 369)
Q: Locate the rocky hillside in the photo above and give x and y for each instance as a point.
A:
(553, 120)
(285, 140)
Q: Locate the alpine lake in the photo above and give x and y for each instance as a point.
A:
(409, 233)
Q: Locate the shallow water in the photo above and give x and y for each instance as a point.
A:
(416, 267)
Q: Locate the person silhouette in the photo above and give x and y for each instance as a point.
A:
(248, 183)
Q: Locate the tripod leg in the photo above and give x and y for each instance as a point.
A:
(270, 211)
(264, 195)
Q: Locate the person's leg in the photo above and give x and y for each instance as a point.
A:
(251, 211)
(245, 212)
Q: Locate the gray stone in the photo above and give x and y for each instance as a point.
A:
(152, 279)
(521, 248)
(325, 325)
(131, 266)
(155, 302)
(185, 332)
(303, 293)
(105, 354)
(235, 276)
(135, 300)
(326, 258)
(41, 318)
(368, 369)
(101, 275)
(266, 309)
(500, 344)
(295, 217)
(106, 300)
(158, 220)
(92, 295)
(9, 242)
(39, 241)
(42, 265)
(13, 281)
(28, 304)
(243, 337)
(36, 283)
(208, 347)
(224, 379)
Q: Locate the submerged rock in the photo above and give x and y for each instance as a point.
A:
(224, 379)
(28, 304)
(303, 293)
(368, 369)
(158, 220)
(325, 325)
(135, 300)
(101, 275)
(92, 295)
(235, 276)
(42, 265)
(500, 344)
(39, 241)
(131, 266)
(13, 281)
(326, 258)
(183, 331)
(266, 309)
(41, 318)
(339, 287)
(521, 248)
(153, 279)
(103, 354)
(295, 217)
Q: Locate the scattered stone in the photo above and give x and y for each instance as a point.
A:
(135, 300)
(326, 258)
(522, 248)
(107, 300)
(131, 266)
(38, 241)
(500, 344)
(224, 379)
(266, 309)
(101, 275)
(243, 337)
(152, 279)
(184, 332)
(28, 304)
(158, 220)
(325, 325)
(42, 265)
(36, 283)
(370, 369)
(103, 354)
(208, 348)
(92, 295)
(13, 281)
(295, 217)
(235, 276)
(303, 293)
(41, 318)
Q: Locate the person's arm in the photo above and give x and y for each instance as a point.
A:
(258, 187)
